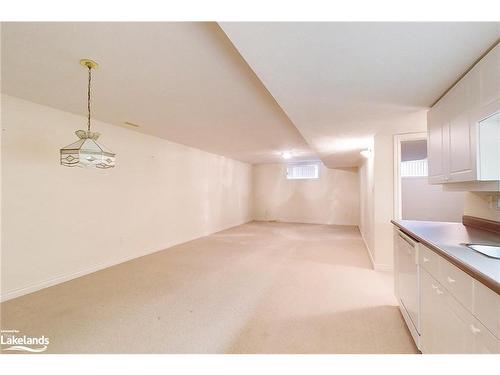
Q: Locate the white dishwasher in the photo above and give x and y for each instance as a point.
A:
(407, 283)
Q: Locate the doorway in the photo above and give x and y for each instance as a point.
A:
(414, 197)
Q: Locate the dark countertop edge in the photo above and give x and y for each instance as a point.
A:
(480, 223)
(482, 278)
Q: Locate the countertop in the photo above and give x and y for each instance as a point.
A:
(446, 239)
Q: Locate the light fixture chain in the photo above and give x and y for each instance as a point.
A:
(88, 99)
(86, 151)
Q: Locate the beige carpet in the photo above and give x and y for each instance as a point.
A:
(255, 288)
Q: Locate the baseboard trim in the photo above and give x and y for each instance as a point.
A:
(66, 277)
(372, 261)
(70, 276)
(376, 266)
(301, 222)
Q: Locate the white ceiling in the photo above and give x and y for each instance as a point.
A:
(340, 83)
(184, 82)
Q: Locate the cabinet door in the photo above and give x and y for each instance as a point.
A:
(460, 159)
(435, 145)
(486, 307)
(456, 150)
(429, 314)
(443, 329)
(484, 341)
(457, 335)
(487, 128)
(489, 76)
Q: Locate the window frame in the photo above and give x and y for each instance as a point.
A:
(302, 164)
(424, 167)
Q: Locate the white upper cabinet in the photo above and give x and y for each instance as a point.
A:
(464, 127)
(436, 125)
(461, 160)
(489, 77)
(489, 153)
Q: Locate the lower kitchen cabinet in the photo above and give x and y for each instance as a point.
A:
(446, 310)
(447, 327)
(457, 313)
(444, 329)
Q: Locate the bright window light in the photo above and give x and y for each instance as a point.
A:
(414, 168)
(302, 171)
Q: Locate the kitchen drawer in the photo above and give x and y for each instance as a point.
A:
(429, 260)
(458, 283)
(486, 307)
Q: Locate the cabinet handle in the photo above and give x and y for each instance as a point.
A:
(450, 280)
(474, 329)
(426, 260)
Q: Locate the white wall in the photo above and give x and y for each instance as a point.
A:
(383, 200)
(422, 201)
(366, 201)
(482, 205)
(377, 229)
(59, 222)
(331, 199)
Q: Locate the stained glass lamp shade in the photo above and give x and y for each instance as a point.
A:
(87, 152)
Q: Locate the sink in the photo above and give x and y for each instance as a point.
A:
(491, 251)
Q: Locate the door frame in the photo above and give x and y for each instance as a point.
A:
(398, 138)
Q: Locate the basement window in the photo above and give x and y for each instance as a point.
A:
(414, 168)
(302, 171)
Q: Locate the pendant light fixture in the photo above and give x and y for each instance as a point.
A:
(87, 152)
